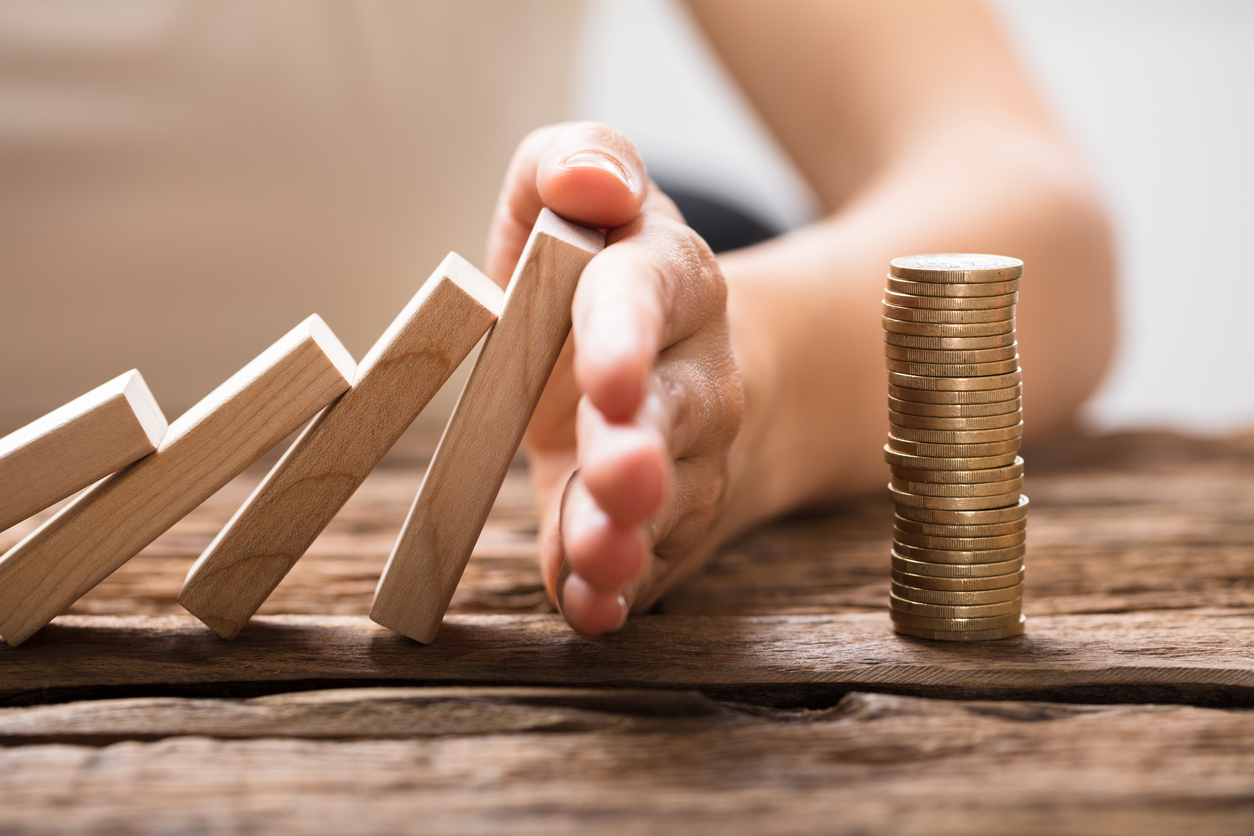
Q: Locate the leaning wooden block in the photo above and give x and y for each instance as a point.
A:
(484, 433)
(202, 451)
(76, 445)
(331, 459)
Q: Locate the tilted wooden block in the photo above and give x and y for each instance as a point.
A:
(76, 445)
(484, 433)
(203, 450)
(331, 459)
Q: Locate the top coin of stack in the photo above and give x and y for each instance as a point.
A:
(953, 446)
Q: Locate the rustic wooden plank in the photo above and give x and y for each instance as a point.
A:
(872, 764)
(1196, 656)
(1141, 587)
(1135, 523)
(363, 713)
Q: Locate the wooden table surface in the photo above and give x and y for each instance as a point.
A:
(769, 695)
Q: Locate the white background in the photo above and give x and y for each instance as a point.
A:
(1159, 94)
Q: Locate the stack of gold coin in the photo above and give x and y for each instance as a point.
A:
(953, 447)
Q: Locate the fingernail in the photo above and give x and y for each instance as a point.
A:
(563, 575)
(599, 160)
(622, 603)
(563, 572)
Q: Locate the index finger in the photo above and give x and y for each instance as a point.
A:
(586, 172)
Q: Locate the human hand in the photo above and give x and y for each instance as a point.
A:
(629, 445)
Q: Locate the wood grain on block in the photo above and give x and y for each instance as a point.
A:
(330, 460)
(486, 428)
(202, 451)
(76, 445)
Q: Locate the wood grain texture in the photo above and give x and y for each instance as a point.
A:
(203, 450)
(80, 443)
(1190, 656)
(339, 449)
(554, 763)
(1127, 523)
(485, 431)
(359, 713)
(1140, 589)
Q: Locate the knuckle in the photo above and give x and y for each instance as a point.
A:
(700, 493)
(693, 264)
(732, 393)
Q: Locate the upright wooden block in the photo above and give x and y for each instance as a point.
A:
(76, 445)
(331, 459)
(484, 433)
(202, 451)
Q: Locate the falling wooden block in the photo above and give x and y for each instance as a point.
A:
(331, 459)
(76, 445)
(484, 433)
(203, 450)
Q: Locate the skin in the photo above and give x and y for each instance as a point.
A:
(699, 396)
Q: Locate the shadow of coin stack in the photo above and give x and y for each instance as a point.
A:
(954, 399)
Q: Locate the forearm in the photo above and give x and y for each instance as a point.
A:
(805, 308)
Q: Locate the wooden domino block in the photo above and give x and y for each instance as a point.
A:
(484, 433)
(201, 451)
(331, 459)
(76, 445)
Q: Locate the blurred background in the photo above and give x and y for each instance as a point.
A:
(181, 183)
(1157, 93)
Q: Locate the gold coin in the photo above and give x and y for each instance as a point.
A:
(952, 598)
(960, 556)
(936, 343)
(952, 489)
(959, 436)
(951, 358)
(902, 606)
(941, 517)
(955, 410)
(940, 329)
(964, 424)
(929, 622)
(964, 370)
(947, 462)
(953, 503)
(963, 451)
(956, 384)
(1014, 470)
(947, 317)
(959, 584)
(950, 303)
(944, 487)
(928, 541)
(989, 530)
(956, 267)
(964, 290)
(993, 634)
(970, 396)
(956, 570)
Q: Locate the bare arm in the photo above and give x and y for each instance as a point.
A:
(920, 133)
(701, 395)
